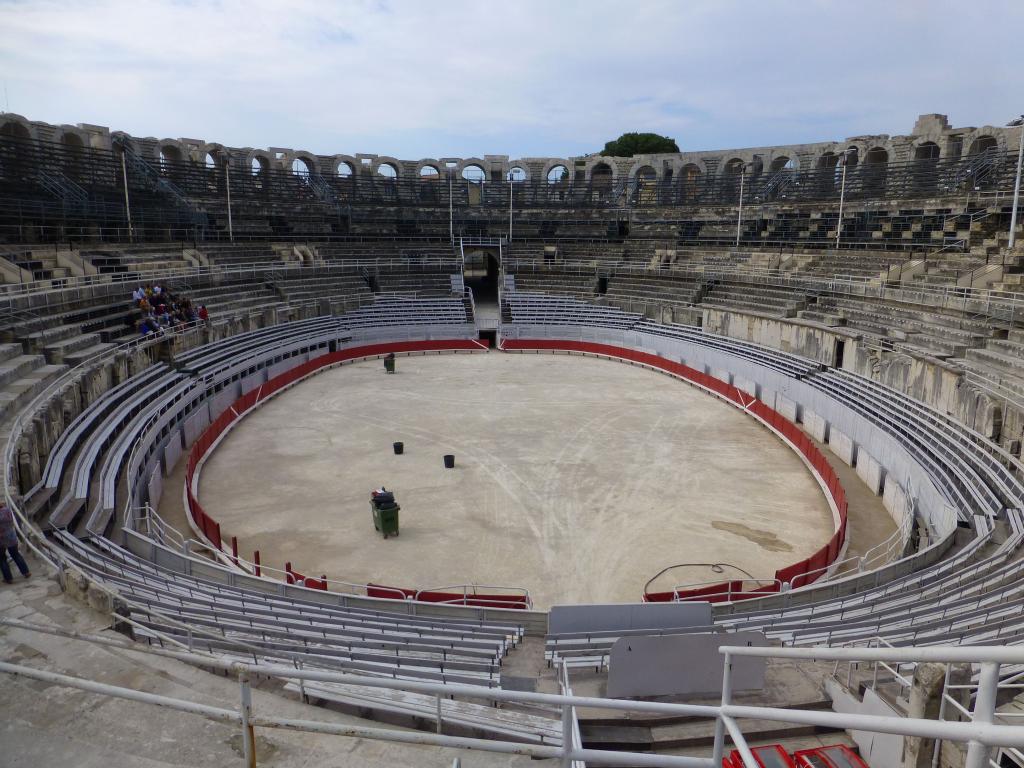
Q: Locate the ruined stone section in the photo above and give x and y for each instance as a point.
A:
(842, 446)
(798, 337)
(869, 470)
(925, 702)
(815, 425)
(928, 131)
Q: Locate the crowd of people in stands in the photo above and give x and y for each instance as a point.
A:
(158, 309)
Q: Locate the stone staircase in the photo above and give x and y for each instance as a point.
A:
(22, 378)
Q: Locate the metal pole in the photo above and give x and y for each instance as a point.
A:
(716, 756)
(451, 215)
(567, 745)
(127, 205)
(248, 736)
(1016, 187)
(842, 197)
(510, 201)
(739, 217)
(984, 709)
(937, 747)
(227, 179)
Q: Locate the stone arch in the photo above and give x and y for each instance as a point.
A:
(462, 165)
(876, 156)
(16, 127)
(473, 172)
(552, 164)
(213, 157)
(519, 172)
(643, 172)
(783, 163)
(258, 162)
(600, 162)
(827, 159)
(380, 165)
(428, 169)
(343, 166)
(602, 176)
(733, 166)
(926, 150)
(302, 164)
(169, 154)
(73, 154)
(690, 178)
(71, 137)
(983, 143)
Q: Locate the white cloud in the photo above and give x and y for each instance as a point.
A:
(453, 77)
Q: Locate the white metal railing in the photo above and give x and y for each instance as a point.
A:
(980, 731)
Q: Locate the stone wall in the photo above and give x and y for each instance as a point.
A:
(934, 382)
(932, 129)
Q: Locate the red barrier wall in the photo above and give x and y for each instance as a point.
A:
(206, 524)
(798, 574)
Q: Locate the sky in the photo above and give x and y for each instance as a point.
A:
(524, 78)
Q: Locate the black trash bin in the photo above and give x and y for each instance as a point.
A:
(449, 461)
(399, 448)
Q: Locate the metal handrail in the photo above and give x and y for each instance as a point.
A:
(980, 732)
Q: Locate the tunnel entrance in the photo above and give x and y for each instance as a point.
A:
(481, 274)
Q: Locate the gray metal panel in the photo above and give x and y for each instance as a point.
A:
(623, 616)
(195, 424)
(172, 451)
(665, 665)
(224, 398)
(156, 486)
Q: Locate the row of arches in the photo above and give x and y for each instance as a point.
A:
(600, 172)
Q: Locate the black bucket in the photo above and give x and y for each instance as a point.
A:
(399, 448)
(449, 461)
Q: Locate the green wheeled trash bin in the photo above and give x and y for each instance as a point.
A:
(389, 363)
(385, 514)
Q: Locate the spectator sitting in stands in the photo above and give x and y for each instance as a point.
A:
(9, 545)
(204, 315)
(138, 295)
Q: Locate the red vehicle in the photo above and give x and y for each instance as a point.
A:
(776, 756)
(772, 756)
(835, 756)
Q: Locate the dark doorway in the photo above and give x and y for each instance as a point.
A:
(481, 274)
(840, 351)
(602, 285)
(490, 338)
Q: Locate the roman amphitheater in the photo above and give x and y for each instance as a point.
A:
(693, 453)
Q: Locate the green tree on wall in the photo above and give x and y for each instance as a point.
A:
(629, 144)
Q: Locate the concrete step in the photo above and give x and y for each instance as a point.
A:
(1009, 348)
(19, 393)
(1001, 364)
(80, 355)
(19, 367)
(35, 341)
(10, 351)
(55, 353)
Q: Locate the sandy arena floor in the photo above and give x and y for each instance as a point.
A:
(576, 478)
